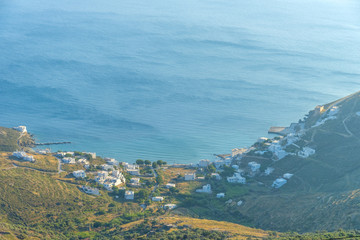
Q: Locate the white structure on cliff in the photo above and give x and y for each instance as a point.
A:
(21, 129)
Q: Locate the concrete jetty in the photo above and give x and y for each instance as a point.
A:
(278, 130)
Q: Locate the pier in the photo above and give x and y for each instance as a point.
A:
(51, 143)
(278, 130)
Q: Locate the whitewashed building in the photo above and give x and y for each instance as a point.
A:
(23, 156)
(90, 190)
(216, 176)
(254, 166)
(278, 183)
(135, 181)
(169, 206)
(129, 195)
(157, 199)
(111, 161)
(79, 174)
(190, 176)
(306, 152)
(83, 161)
(205, 189)
(288, 175)
(268, 171)
(170, 185)
(107, 167)
(220, 195)
(68, 160)
(237, 178)
(92, 154)
(204, 163)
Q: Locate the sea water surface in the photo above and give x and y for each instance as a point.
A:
(177, 80)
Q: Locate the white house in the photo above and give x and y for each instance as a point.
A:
(129, 195)
(107, 167)
(170, 185)
(268, 171)
(254, 166)
(117, 174)
(157, 199)
(23, 156)
(135, 181)
(68, 160)
(101, 177)
(288, 175)
(205, 189)
(220, 195)
(111, 161)
(21, 129)
(170, 206)
(237, 178)
(43, 151)
(92, 154)
(238, 152)
(83, 161)
(190, 176)
(306, 152)
(90, 190)
(279, 183)
(216, 176)
(262, 139)
(204, 163)
(135, 172)
(79, 174)
(219, 164)
(108, 185)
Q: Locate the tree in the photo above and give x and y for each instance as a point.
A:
(140, 162)
(147, 162)
(159, 179)
(154, 165)
(211, 168)
(160, 162)
(142, 195)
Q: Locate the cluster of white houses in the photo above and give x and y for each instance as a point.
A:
(109, 181)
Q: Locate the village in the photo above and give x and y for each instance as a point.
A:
(149, 182)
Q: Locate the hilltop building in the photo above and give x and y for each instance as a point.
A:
(21, 129)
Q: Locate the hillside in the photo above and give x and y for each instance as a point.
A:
(325, 187)
(39, 202)
(12, 140)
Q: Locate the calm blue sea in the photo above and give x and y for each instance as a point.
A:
(177, 80)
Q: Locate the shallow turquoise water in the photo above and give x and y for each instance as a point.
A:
(171, 80)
